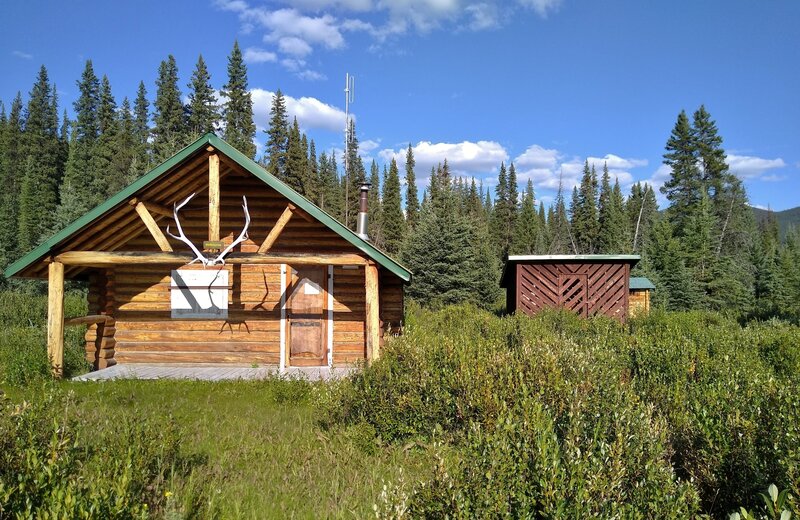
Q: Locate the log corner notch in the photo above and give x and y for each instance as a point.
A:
(373, 325)
(55, 318)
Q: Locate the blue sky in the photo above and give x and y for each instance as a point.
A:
(545, 83)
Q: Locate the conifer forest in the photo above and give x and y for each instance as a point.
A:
(691, 410)
(703, 249)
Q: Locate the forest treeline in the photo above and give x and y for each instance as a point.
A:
(704, 250)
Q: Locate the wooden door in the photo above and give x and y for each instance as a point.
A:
(306, 316)
(572, 293)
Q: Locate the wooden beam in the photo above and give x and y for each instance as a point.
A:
(153, 207)
(86, 320)
(107, 258)
(275, 232)
(153, 228)
(213, 198)
(55, 318)
(373, 325)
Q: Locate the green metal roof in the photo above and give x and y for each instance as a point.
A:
(242, 160)
(640, 283)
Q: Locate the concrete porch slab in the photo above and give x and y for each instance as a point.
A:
(210, 372)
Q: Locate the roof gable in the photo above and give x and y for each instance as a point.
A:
(243, 161)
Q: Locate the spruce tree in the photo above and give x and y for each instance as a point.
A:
(375, 208)
(501, 229)
(585, 224)
(202, 108)
(40, 155)
(684, 185)
(240, 130)
(613, 220)
(313, 180)
(561, 240)
(412, 200)
(675, 289)
(527, 229)
(354, 176)
(277, 137)
(542, 237)
(142, 160)
(125, 145)
(105, 179)
(394, 223)
(170, 132)
(295, 168)
(11, 155)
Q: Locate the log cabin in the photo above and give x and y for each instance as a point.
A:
(208, 258)
(585, 284)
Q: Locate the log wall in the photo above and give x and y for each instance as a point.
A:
(639, 301)
(138, 297)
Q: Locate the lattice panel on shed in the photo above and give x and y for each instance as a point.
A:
(585, 288)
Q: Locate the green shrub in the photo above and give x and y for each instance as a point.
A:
(675, 414)
(49, 470)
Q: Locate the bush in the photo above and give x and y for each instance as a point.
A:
(49, 469)
(673, 415)
(23, 338)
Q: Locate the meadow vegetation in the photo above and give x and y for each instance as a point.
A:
(673, 415)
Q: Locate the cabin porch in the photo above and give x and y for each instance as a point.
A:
(211, 372)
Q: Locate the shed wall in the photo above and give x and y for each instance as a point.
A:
(587, 288)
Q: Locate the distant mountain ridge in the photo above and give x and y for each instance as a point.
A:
(786, 218)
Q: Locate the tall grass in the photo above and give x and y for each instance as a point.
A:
(673, 415)
(23, 337)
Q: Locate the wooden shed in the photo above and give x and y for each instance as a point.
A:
(210, 259)
(640, 289)
(585, 284)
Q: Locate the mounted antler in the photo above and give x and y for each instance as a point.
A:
(220, 259)
(182, 237)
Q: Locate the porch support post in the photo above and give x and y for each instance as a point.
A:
(55, 318)
(373, 325)
(213, 198)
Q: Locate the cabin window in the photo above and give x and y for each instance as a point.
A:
(199, 294)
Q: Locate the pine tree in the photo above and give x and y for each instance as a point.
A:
(527, 229)
(502, 214)
(203, 109)
(394, 223)
(684, 185)
(10, 164)
(313, 181)
(277, 137)
(295, 168)
(374, 206)
(585, 224)
(40, 155)
(561, 240)
(170, 132)
(354, 176)
(330, 191)
(698, 244)
(412, 200)
(543, 236)
(675, 289)
(104, 178)
(444, 251)
(240, 130)
(125, 145)
(141, 130)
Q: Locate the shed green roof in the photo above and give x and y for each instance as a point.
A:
(242, 160)
(640, 283)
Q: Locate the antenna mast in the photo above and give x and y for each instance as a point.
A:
(349, 88)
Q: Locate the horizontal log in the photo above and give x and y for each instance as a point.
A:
(105, 259)
(209, 326)
(223, 337)
(234, 315)
(193, 346)
(198, 357)
(86, 320)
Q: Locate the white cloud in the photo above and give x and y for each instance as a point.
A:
(537, 157)
(751, 167)
(464, 158)
(294, 46)
(311, 75)
(304, 25)
(615, 162)
(542, 7)
(23, 55)
(256, 55)
(310, 112)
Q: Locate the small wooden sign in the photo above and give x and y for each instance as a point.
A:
(213, 245)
